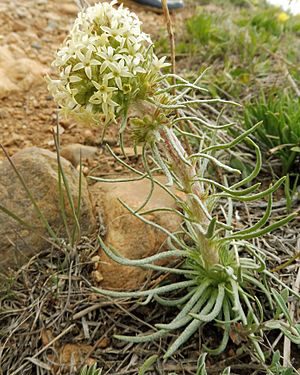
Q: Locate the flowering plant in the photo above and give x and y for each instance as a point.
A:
(106, 65)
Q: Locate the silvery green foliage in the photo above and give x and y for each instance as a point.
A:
(105, 64)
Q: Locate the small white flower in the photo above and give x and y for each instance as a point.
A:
(86, 62)
(113, 32)
(74, 79)
(65, 73)
(107, 54)
(108, 106)
(134, 64)
(102, 93)
(118, 71)
(159, 64)
(67, 52)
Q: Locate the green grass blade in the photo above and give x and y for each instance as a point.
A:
(15, 217)
(201, 367)
(39, 213)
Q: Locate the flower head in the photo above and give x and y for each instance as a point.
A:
(105, 64)
(283, 17)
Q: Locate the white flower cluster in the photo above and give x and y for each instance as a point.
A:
(105, 64)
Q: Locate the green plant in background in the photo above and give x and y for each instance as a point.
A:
(203, 29)
(201, 367)
(252, 59)
(279, 134)
(274, 21)
(246, 48)
(90, 370)
(147, 364)
(223, 274)
(271, 20)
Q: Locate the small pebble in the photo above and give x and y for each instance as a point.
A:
(89, 137)
(96, 276)
(22, 12)
(19, 26)
(3, 113)
(52, 25)
(36, 45)
(85, 171)
(95, 259)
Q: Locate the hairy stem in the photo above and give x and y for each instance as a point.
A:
(187, 175)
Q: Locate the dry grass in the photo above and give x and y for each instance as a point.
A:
(48, 304)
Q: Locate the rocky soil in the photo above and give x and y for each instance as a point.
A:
(30, 33)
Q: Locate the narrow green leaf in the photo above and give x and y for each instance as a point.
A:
(226, 371)
(261, 222)
(15, 217)
(261, 232)
(282, 305)
(257, 196)
(257, 168)
(211, 228)
(143, 338)
(201, 368)
(147, 364)
(235, 141)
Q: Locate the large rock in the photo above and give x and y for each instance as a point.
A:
(127, 234)
(38, 168)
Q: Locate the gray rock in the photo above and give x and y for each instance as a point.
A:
(38, 168)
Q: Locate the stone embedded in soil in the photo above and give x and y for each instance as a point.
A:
(74, 151)
(68, 9)
(73, 354)
(70, 356)
(18, 72)
(38, 168)
(128, 152)
(128, 235)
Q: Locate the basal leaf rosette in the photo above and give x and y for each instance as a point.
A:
(105, 65)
